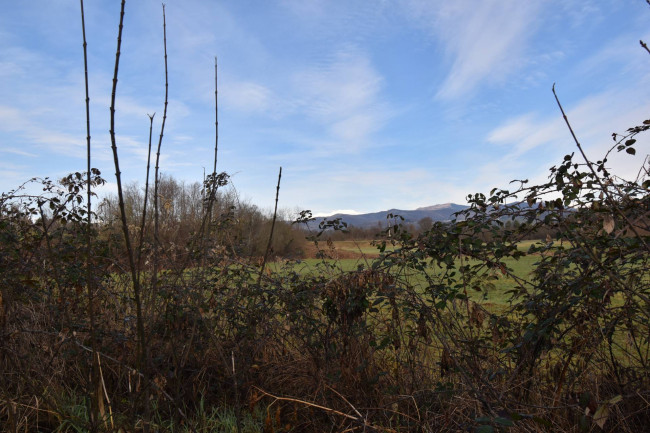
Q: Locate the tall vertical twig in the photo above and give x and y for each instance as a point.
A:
(96, 402)
(205, 229)
(275, 214)
(156, 240)
(120, 194)
(146, 196)
(94, 376)
(216, 118)
(141, 348)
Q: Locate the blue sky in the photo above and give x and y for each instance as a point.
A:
(367, 105)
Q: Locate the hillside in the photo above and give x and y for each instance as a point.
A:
(438, 212)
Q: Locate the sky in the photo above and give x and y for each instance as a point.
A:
(366, 105)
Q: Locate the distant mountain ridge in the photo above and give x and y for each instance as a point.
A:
(437, 212)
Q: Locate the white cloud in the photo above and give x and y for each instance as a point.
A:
(11, 118)
(309, 10)
(525, 133)
(373, 190)
(513, 130)
(338, 211)
(46, 137)
(484, 41)
(623, 53)
(593, 120)
(246, 96)
(344, 95)
(343, 84)
(18, 152)
(354, 129)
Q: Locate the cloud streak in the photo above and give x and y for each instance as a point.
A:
(593, 119)
(483, 41)
(343, 95)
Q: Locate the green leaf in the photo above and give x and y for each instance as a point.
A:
(601, 415)
(615, 400)
(504, 421)
(484, 429)
(630, 142)
(631, 151)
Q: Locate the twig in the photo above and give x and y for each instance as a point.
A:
(237, 404)
(91, 314)
(103, 385)
(156, 239)
(95, 372)
(326, 409)
(142, 356)
(36, 408)
(89, 285)
(216, 118)
(146, 196)
(643, 44)
(275, 214)
(125, 226)
(205, 229)
(345, 400)
(591, 168)
(213, 190)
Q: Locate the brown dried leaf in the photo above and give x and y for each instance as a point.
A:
(608, 224)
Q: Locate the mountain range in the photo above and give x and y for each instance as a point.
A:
(438, 212)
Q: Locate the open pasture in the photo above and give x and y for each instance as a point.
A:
(360, 255)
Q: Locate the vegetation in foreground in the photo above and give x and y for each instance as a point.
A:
(140, 323)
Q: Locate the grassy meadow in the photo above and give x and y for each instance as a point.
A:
(360, 255)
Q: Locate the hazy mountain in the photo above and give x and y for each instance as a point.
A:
(438, 212)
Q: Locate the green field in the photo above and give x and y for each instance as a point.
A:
(368, 254)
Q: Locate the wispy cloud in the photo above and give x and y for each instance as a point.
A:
(623, 53)
(484, 41)
(526, 132)
(371, 190)
(343, 95)
(247, 96)
(18, 152)
(50, 139)
(593, 119)
(337, 211)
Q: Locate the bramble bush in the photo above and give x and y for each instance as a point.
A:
(154, 314)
